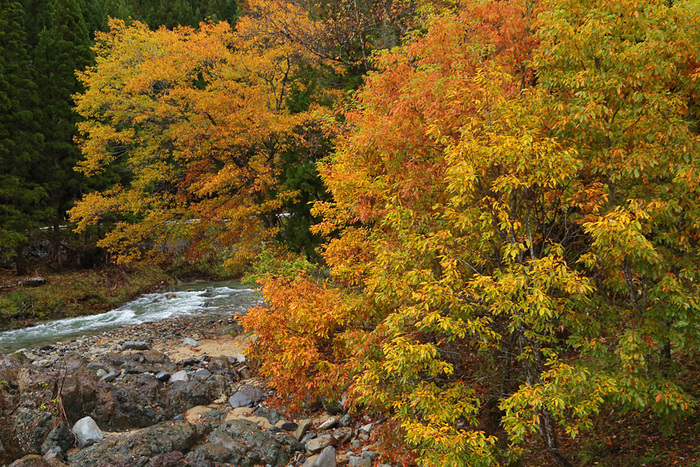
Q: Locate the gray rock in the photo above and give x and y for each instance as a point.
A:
(202, 373)
(109, 377)
(87, 432)
(371, 455)
(345, 420)
(308, 436)
(59, 439)
(272, 416)
(289, 426)
(138, 448)
(179, 376)
(136, 345)
(101, 373)
(55, 453)
(343, 434)
(219, 364)
(239, 399)
(304, 426)
(163, 376)
(326, 459)
(255, 393)
(190, 342)
(366, 428)
(210, 452)
(319, 443)
(249, 445)
(355, 461)
(330, 423)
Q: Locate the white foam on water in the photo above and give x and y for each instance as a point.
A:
(197, 299)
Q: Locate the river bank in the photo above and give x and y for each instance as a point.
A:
(211, 406)
(68, 293)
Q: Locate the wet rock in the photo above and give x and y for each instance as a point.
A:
(163, 376)
(171, 459)
(154, 356)
(137, 449)
(136, 345)
(183, 396)
(87, 432)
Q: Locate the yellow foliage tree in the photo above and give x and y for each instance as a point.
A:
(192, 122)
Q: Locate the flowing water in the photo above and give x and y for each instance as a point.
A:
(196, 298)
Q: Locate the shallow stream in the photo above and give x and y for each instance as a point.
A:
(226, 297)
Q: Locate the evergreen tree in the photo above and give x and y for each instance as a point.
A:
(62, 49)
(21, 197)
(116, 9)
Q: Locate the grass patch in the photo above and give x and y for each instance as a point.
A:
(76, 293)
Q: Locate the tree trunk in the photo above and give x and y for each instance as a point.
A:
(20, 260)
(57, 243)
(549, 435)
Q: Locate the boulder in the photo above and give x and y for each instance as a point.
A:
(87, 432)
(138, 448)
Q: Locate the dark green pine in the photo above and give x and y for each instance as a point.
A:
(63, 48)
(22, 198)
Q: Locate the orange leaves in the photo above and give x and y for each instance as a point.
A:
(298, 337)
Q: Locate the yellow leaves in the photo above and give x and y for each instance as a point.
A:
(195, 119)
(619, 235)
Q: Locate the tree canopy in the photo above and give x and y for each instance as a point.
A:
(512, 208)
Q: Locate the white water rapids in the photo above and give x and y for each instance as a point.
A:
(197, 298)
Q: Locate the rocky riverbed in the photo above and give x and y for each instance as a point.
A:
(168, 393)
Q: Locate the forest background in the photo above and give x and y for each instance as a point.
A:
(479, 219)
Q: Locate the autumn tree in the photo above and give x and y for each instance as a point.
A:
(516, 212)
(198, 118)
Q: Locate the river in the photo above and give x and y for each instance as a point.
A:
(194, 298)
